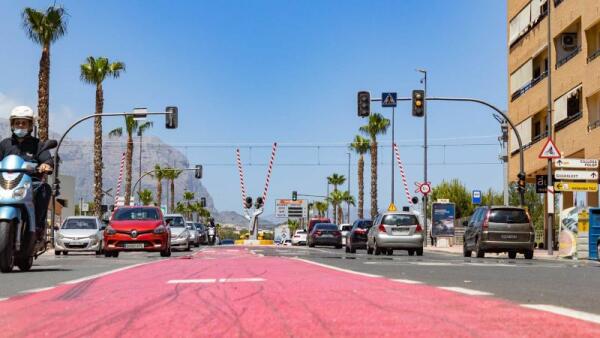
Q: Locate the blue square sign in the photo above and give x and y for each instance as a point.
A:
(388, 99)
(476, 197)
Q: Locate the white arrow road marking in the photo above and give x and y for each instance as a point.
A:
(588, 317)
(466, 291)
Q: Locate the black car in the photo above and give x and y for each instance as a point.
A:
(325, 234)
(201, 233)
(356, 238)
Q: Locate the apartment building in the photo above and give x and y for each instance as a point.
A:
(575, 62)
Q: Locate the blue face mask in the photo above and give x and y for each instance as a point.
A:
(20, 132)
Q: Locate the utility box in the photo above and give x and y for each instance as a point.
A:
(594, 233)
(583, 225)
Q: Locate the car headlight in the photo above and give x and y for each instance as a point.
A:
(160, 229)
(19, 193)
(93, 237)
(184, 234)
(110, 230)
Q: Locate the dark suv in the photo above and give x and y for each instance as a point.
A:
(356, 238)
(499, 229)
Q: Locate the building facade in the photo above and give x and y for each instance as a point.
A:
(575, 72)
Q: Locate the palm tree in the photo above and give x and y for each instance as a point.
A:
(94, 71)
(336, 199)
(145, 196)
(131, 127)
(172, 174)
(44, 28)
(360, 145)
(321, 207)
(335, 180)
(378, 125)
(349, 200)
(159, 175)
(293, 225)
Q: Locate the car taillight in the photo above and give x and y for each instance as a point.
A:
(418, 229)
(381, 227)
(486, 221)
(160, 229)
(110, 230)
(318, 233)
(337, 233)
(360, 231)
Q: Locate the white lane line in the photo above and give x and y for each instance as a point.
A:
(432, 263)
(336, 268)
(192, 281)
(466, 291)
(79, 280)
(2, 299)
(240, 280)
(38, 290)
(588, 317)
(407, 281)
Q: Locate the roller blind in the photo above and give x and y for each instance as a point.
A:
(524, 129)
(560, 106)
(521, 76)
(536, 9)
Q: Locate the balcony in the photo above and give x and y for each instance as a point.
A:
(567, 57)
(566, 122)
(528, 86)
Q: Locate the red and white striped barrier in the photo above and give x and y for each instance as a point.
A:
(269, 171)
(241, 171)
(120, 180)
(402, 173)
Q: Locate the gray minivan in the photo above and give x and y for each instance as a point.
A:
(499, 229)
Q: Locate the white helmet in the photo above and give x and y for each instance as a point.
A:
(22, 112)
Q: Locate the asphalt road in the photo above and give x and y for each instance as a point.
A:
(569, 284)
(49, 270)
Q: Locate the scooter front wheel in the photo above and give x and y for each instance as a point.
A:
(7, 246)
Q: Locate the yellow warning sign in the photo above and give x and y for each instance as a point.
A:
(392, 207)
(576, 186)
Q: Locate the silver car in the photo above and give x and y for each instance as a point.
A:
(395, 230)
(194, 235)
(79, 233)
(180, 235)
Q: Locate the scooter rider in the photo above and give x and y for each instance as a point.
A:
(23, 144)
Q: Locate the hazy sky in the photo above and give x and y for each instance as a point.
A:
(253, 72)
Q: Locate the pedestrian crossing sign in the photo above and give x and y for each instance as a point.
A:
(392, 207)
(388, 99)
(550, 150)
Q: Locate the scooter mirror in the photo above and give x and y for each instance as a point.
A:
(50, 144)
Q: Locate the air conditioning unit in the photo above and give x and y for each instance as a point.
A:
(569, 41)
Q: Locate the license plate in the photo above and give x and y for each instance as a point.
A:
(508, 236)
(327, 235)
(76, 243)
(134, 245)
(399, 231)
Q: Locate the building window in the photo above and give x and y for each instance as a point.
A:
(526, 19)
(539, 126)
(529, 74)
(568, 44)
(568, 108)
(593, 103)
(593, 42)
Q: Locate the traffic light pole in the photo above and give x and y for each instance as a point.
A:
(55, 180)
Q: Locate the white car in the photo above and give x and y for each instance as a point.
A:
(345, 228)
(79, 233)
(180, 235)
(299, 237)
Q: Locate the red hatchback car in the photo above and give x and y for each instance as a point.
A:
(137, 229)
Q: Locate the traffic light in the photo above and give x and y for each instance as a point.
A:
(203, 202)
(415, 200)
(364, 103)
(294, 195)
(521, 183)
(171, 117)
(418, 103)
(259, 203)
(56, 187)
(248, 202)
(198, 171)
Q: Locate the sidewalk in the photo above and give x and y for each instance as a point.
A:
(458, 250)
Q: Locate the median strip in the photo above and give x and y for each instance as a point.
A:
(588, 317)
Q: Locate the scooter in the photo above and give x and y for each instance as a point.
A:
(211, 235)
(19, 244)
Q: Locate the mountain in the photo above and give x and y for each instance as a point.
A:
(77, 158)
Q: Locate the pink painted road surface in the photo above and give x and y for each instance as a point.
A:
(232, 293)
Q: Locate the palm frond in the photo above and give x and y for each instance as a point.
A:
(117, 132)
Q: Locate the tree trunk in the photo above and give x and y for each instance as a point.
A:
(340, 214)
(361, 185)
(129, 161)
(44, 93)
(172, 195)
(373, 179)
(98, 151)
(158, 192)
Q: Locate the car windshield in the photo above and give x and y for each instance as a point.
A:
(509, 216)
(80, 224)
(137, 214)
(176, 221)
(365, 224)
(400, 220)
(199, 227)
(326, 227)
